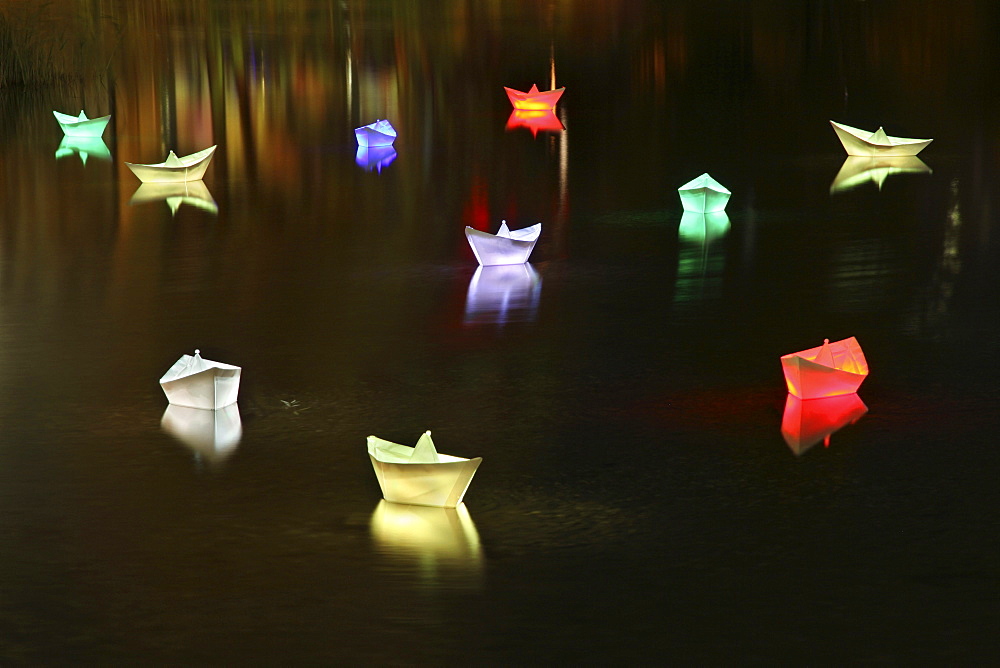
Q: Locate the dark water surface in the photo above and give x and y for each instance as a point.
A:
(637, 499)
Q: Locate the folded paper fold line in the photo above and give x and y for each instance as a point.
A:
(420, 475)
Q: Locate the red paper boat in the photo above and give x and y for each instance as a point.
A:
(829, 370)
(807, 422)
(533, 99)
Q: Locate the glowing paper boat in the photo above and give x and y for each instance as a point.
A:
(504, 247)
(193, 193)
(704, 195)
(535, 120)
(173, 169)
(419, 475)
(212, 435)
(81, 126)
(502, 294)
(375, 158)
(198, 383)
(703, 226)
(85, 147)
(825, 371)
(534, 99)
(857, 170)
(806, 422)
(379, 133)
(878, 143)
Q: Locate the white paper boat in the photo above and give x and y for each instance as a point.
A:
(858, 170)
(502, 294)
(703, 226)
(504, 247)
(199, 383)
(703, 195)
(878, 143)
(379, 133)
(806, 422)
(419, 475)
(192, 193)
(375, 158)
(534, 99)
(85, 147)
(212, 435)
(828, 370)
(173, 169)
(81, 126)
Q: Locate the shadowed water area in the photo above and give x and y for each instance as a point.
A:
(638, 499)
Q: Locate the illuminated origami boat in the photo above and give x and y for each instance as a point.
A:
(375, 158)
(534, 99)
(535, 120)
(857, 170)
(192, 193)
(212, 435)
(703, 226)
(828, 370)
(503, 293)
(703, 195)
(85, 147)
(504, 247)
(806, 422)
(198, 383)
(878, 143)
(379, 133)
(173, 169)
(81, 126)
(419, 475)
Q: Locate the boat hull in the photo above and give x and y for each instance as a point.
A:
(379, 133)
(856, 142)
(193, 168)
(72, 126)
(492, 250)
(703, 195)
(540, 101)
(807, 379)
(442, 485)
(211, 389)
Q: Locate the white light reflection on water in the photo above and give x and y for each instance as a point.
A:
(503, 293)
(435, 546)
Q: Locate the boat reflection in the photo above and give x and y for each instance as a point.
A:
(504, 293)
(211, 435)
(535, 120)
(85, 147)
(193, 193)
(858, 170)
(703, 226)
(375, 157)
(806, 422)
(437, 542)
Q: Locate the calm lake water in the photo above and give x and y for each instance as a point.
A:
(638, 499)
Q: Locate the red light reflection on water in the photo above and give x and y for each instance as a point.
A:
(535, 120)
(806, 422)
